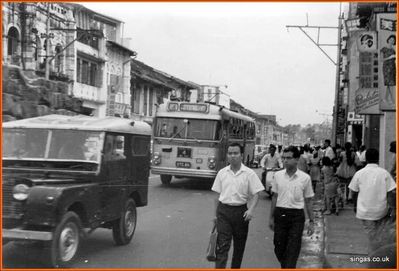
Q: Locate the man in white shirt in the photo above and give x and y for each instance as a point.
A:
(376, 195)
(238, 186)
(329, 152)
(293, 195)
(270, 162)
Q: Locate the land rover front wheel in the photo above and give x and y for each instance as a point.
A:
(123, 228)
(165, 179)
(66, 240)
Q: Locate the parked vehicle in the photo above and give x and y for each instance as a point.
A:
(65, 176)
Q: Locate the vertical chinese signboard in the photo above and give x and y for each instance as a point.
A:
(367, 95)
(386, 27)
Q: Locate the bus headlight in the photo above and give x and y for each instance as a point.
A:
(211, 162)
(20, 192)
(156, 158)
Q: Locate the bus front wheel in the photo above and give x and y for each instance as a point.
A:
(165, 179)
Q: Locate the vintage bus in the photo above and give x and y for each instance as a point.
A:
(191, 139)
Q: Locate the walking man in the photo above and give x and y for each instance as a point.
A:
(238, 186)
(293, 194)
(329, 152)
(376, 196)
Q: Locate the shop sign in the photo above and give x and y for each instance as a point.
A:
(120, 108)
(352, 24)
(352, 116)
(367, 101)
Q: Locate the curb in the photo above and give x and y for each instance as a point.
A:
(313, 247)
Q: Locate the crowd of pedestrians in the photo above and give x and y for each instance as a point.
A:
(342, 175)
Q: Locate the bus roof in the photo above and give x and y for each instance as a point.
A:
(215, 112)
(81, 122)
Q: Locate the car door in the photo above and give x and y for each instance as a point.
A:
(115, 174)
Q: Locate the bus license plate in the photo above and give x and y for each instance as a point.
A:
(183, 164)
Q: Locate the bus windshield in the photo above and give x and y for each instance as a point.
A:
(199, 129)
(57, 144)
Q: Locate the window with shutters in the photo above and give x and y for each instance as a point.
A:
(87, 72)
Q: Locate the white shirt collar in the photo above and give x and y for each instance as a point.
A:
(242, 168)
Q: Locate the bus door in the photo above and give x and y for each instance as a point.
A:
(224, 143)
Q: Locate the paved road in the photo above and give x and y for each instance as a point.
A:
(172, 232)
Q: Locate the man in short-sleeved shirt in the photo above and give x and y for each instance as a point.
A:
(237, 186)
(292, 195)
(375, 188)
(329, 152)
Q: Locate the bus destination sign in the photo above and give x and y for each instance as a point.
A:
(173, 106)
(188, 107)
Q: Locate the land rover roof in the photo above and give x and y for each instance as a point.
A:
(81, 122)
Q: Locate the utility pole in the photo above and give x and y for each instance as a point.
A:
(337, 82)
(47, 67)
(337, 63)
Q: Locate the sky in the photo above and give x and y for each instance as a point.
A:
(267, 68)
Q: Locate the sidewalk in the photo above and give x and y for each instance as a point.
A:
(338, 241)
(345, 243)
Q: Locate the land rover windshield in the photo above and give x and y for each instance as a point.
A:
(180, 128)
(21, 144)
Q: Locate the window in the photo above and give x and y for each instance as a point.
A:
(88, 38)
(114, 148)
(13, 37)
(140, 146)
(87, 72)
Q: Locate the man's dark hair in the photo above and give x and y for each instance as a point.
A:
(235, 144)
(272, 146)
(362, 148)
(328, 141)
(294, 150)
(372, 156)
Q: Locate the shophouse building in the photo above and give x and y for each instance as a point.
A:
(367, 93)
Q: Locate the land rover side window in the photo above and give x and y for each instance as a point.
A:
(114, 147)
(141, 146)
(75, 145)
(24, 143)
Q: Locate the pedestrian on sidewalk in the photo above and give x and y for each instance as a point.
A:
(328, 150)
(304, 159)
(347, 167)
(314, 170)
(292, 195)
(330, 186)
(376, 196)
(237, 186)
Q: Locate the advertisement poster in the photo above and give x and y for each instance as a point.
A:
(367, 101)
(367, 41)
(386, 27)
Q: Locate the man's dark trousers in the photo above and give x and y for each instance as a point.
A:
(231, 225)
(288, 228)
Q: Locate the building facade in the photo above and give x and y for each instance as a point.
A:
(367, 95)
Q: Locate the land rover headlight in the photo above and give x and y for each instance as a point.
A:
(20, 192)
